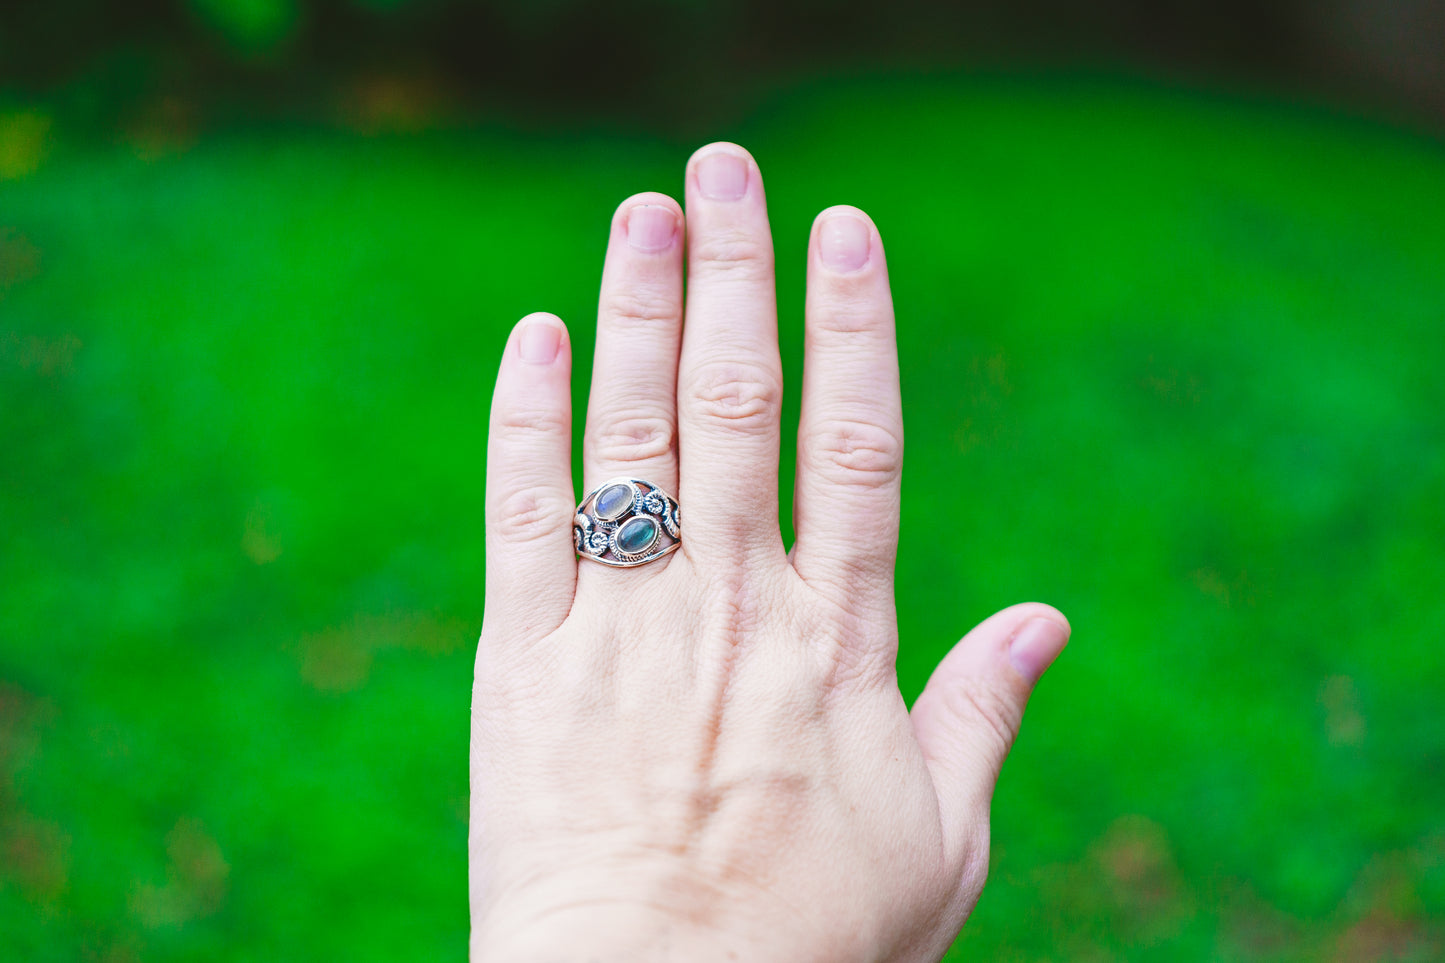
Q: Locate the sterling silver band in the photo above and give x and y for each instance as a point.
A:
(625, 522)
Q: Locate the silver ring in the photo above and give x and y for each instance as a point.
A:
(626, 522)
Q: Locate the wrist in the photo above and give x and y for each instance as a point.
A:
(612, 932)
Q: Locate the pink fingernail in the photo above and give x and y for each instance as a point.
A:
(843, 240)
(1035, 646)
(538, 342)
(722, 176)
(651, 228)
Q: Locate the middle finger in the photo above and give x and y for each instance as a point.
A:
(730, 381)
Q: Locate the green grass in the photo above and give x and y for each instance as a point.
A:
(1171, 363)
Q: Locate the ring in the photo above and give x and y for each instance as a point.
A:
(626, 522)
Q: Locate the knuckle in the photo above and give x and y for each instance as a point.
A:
(986, 711)
(501, 679)
(742, 397)
(851, 308)
(641, 308)
(631, 439)
(734, 253)
(843, 649)
(973, 868)
(857, 452)
(529, 515)
(517, 423)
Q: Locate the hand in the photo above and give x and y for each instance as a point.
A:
(707, 757)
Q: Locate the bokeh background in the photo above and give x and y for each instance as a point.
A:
(1170, 281)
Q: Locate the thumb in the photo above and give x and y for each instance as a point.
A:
(968, 716)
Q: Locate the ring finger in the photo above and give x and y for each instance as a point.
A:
(632, 410)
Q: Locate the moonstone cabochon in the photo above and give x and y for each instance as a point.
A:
(613, 500)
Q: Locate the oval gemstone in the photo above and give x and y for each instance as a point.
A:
(636, 535)
(613, 500)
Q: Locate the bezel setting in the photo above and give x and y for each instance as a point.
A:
(631, 504)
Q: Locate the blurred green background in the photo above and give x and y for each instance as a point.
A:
(1170, 286)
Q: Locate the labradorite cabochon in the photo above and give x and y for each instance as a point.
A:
(636, 535)
(613, 500)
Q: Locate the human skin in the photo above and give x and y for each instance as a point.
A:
(707, 757)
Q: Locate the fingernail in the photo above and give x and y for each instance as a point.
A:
(722, 176)
(1035, 646)
(843, 240)
(651, 228)
(538, 342)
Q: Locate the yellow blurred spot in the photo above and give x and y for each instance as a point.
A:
(335, 660)
(1228, 591)
(1171, 385)
(37, 855)
(1128, 881)
(996, 366)
(196, 880)
(1137, 854)
(386, 104)
(163, 127)
(1208, 581)
(1256, 929)
(19, 259)
(24, 139)
(1344, 722)
(1388, 919)
(258, 541)
(987, 387)
(339, 659)
(49, 356)
(197, 861)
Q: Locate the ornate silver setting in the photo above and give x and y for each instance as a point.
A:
(625, 522)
